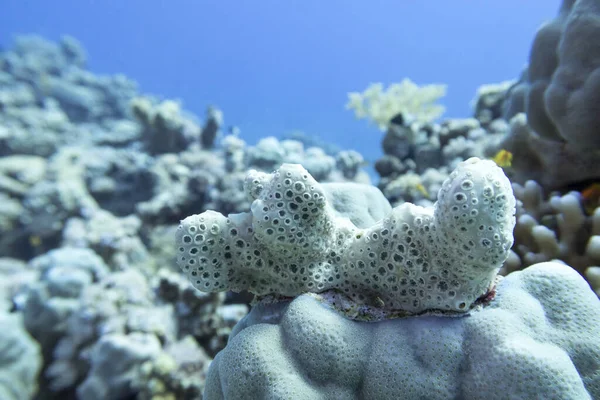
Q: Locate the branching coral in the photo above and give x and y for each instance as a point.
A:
(555, 228)
(407, 98)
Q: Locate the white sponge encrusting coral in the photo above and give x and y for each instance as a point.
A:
(417, 259)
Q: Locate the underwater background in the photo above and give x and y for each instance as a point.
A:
(299, 199)
(278, 67)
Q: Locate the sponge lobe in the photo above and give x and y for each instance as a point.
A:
(416, 259)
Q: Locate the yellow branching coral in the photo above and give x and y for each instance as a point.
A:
(380, 105)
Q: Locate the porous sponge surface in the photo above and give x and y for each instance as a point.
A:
(538, 339)
(416, 259)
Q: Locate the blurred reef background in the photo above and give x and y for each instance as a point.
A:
(119, 119)
(276, 68)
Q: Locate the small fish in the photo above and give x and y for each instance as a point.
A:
(503, 158)
(35, 241)
(421, 188)
(590, 197)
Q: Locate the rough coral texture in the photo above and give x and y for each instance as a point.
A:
(416, 259)
(553, 165)
(381, 105)
(20, 359)
(573, 96)
(419, 157)
(555, 228)
(560, 90)
(538, 339)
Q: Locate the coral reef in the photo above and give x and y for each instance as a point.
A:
(559, 90)
(381, 105)
(338, 275)
(166, 129)
(555, 228)
(555, 166)
(553, 107)
(20, 359)
(418, 157)
(95, 177)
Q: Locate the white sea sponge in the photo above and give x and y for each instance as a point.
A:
(415, 260)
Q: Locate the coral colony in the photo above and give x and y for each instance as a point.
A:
(467, 268)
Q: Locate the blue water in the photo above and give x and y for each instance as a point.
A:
(276, 66)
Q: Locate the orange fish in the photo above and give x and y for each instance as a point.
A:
(590, 197)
